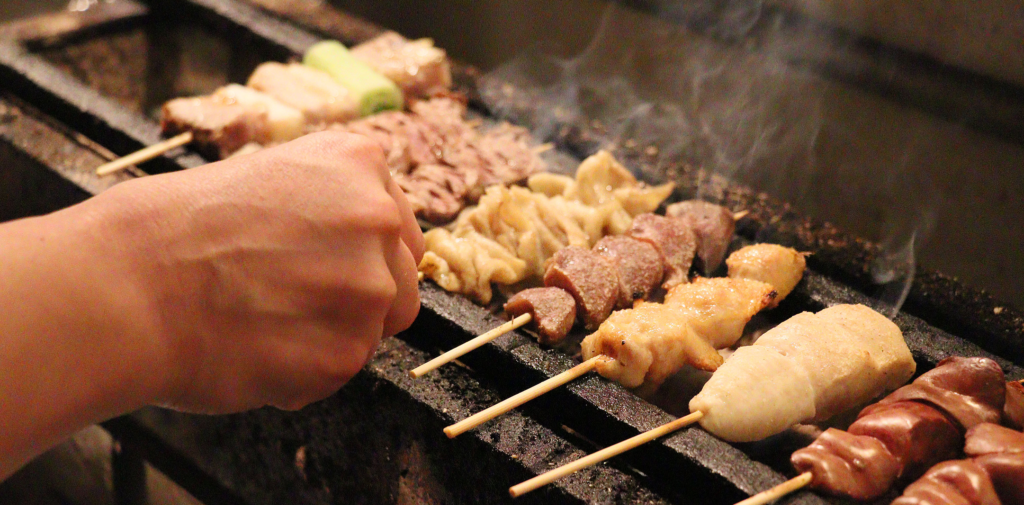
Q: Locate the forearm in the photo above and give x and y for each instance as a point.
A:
(74, 338)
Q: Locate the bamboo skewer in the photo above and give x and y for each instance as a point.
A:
(736, 216)
(779, 491)
(490, 413)
(599, 456)
(470, 345)
(144, 154)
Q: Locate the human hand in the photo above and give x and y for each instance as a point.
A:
(271, 278)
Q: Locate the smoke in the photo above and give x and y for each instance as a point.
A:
(724, 85)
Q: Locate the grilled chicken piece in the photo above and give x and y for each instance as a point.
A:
(553, 311)
(673, 239)
(320, 98)
(713, 225)
(418, 67)
(842, 369)
(638, 265)
(782, 267)
(219, 126)
(591, 280)
(647, 344)
(650, 342)
(718, 308)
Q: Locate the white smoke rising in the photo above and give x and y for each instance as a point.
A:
(721, 84)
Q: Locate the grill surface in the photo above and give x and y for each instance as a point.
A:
(379, 439)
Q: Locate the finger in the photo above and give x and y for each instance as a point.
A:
(406, 304)
(411, 233)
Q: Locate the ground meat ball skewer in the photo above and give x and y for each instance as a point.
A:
(713, 225)
(553, 311)
(591, 280)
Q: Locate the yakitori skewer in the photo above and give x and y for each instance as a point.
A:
(900, 437)
(821, 364)
(609, 246)
(335, 85)
(696, 336)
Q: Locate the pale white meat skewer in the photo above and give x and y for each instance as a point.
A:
(808, 368)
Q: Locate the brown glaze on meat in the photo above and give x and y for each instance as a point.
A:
(1013, 409)
(916, 434)
(673, 239)
(988, 438)
(961, 482)
(848, 465)
(1006, 471)
(713, 226)
(591, 280)
(553, 311)
(970, 390)
(637, 263)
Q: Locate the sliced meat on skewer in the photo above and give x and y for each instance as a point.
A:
(553, 311)
(284, 122)
(591, 280)
(782, 267)
(841, 369)
(637, 264)
(673, 239)
(219, 126)
(647, 344)
(320, 98)
(756, 396)
(993, 476)
(918, 426)
(713, 225)
(718, 308)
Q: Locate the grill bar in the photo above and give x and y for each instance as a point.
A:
(685, 464)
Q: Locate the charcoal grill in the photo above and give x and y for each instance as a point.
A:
(379, 439)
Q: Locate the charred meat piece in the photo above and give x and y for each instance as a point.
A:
(673, 239)
(219, 126)
(970, 390)
(591, 280)
(1013, 409)
(782, 267)
(719, 308)
(962, 482)
(916, 434)
(713, 226)
(843, 464)
(553, 311)
(638, 265)
(988, 438)
(993, 476)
